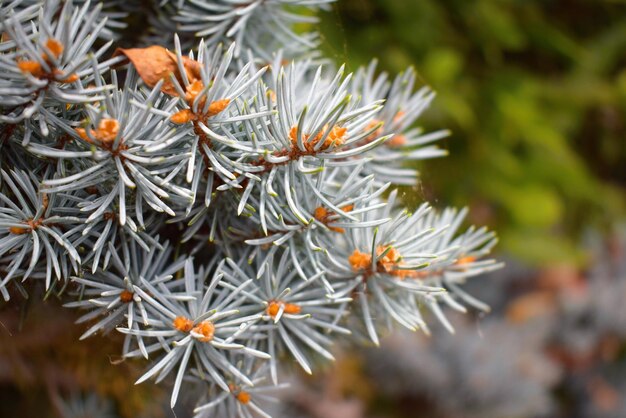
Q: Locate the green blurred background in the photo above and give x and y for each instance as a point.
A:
(535, 95)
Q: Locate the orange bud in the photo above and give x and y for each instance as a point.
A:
(70, 79)
(289, 308)
(337, 133)
(243, 397)
(390, 260)
(293, 134)
(31, 67)
(378, 132)
(206, 329)
(466, 260)
(183, 324)
(193, 90)
(396, 141)
(359, 260)
(107, 130)
(126, 296)
(19, 230)
(182, 116)
(398, 116)
(372, 124)
(272, 309)
(320, 213)
(335, 137)
(218, 106)
(83, 134)
(55, 47)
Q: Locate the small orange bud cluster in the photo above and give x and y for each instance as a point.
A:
(126, 296)
(106, 133)
(274, 306)
(31, 67)
(192, 91)
(378, 132)
(217, 107)
(69, 79)
(206, 329)
(55, 47)
(463, 261)
(29, 225)
(397, 141)
(359, 260)
(35, 69)
(183, 116)
(17, 230)
(388, 264)
(183, 324)
(336, 137)
(241, 395)
(466, 260)
(322, 214)
(390, 260)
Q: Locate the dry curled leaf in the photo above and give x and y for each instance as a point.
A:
(156, 62)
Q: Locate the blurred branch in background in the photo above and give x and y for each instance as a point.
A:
(535, 94)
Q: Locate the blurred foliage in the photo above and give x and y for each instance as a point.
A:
(554, 346)
(43, 361)
(535, 94)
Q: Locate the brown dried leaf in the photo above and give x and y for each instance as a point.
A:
(192, 68)
(156, 62)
